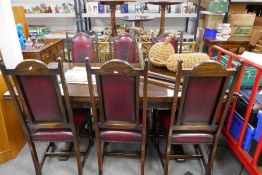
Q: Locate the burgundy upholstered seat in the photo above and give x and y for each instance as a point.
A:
(125, 48)
(124, 136)
(120, 136)
(80, 119)
(192, 138)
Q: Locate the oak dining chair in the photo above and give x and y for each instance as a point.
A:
(206, 95)
(119, 118)
(42, 102)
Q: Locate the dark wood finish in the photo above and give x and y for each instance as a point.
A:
(112, 4)
(181, 123)
(102, 121)
(54, 48)
(163, 5)
(32, 120)
(137, 20)
(227, 44)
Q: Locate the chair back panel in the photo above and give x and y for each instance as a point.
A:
(117, 86)
(41, 103)
(118, 94)
(82, 47)
(125, 48)
(203, 93)
(41, 97)
(201, 99)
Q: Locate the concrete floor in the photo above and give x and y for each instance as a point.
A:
(225, 164)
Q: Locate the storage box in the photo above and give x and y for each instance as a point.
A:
(218, 6)
(252, 151)
(257, 138)
(210, 34)
(259, 126)
(235, 129)
(255, 36)
(258, 21)
(212, 20)
(242, 102)
(237, 8)
(242, 25)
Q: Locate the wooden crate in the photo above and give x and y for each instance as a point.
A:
(54, 48)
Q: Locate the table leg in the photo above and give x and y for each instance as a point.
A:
(138, 24)
(113, 19)
(162, 20)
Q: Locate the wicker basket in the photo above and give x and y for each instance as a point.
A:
(189, 60)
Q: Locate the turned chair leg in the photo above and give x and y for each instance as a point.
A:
(143, 153)
(78, 157)
(168, 149)
(99, 157)
(35, 157)
(211, 159)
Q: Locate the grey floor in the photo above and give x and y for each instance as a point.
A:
(225, 164)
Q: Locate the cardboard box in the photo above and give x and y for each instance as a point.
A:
(255, 36)
(239, 8)
(204, 3)
(242, 25)
(211, 21)
(258, 21)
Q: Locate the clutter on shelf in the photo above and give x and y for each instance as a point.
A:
(38, 30)
(51, 8)
(223, 32)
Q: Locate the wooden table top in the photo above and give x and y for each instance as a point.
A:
(109, 2)
(137, 18)
(159, 2)
(78, 92)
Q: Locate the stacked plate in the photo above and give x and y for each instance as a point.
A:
(223, 31)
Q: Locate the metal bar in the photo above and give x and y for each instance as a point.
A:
(76, 15)
(233, 106)
(249, 107)
(80, 16)
(242, 156)
(257, 152)
(250, 164)
(229, 63)
(197, 19)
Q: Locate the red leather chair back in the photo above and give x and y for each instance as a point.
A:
(125, 48)
(41, 100)
(119, 91)
(201, 99)
(118, 85)
(82, 47)
(204, 89)
(41, 96)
